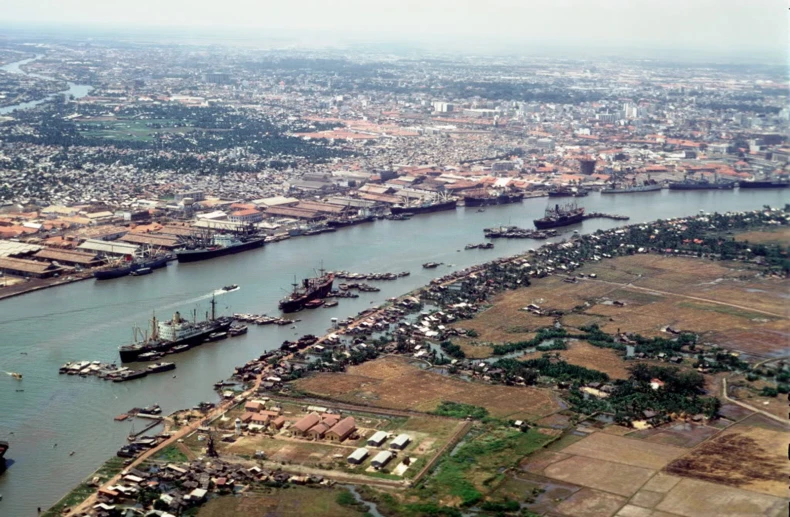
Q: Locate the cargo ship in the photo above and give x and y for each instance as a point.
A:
(631, 189)
(217, 246)
(424, 208)
(560, 216)
(701, 184)
(174, 335)
(764, 184)
(486, 199)
(568, 192)
(310, 289)
(349, 221)
(130, 264)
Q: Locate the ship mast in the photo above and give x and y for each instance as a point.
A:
(213, 308)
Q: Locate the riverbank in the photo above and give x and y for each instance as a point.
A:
(38, 284)
(80, 320)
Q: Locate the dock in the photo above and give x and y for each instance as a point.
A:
(599, 215)
(147, 428)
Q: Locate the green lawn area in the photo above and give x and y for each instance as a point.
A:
(123, 129)
(171, 454)
(81, 492)
(76, 496)
(463, 478)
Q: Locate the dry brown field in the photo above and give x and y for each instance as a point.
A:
(584, 354)
(393, 382)
(679, 434)
(727, 306)
(616, 478)
(608, 475)
(591, 503)
(743, 456)
(623, 450)
(692, 498)
(777, 235)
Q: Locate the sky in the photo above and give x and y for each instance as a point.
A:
(721, 26)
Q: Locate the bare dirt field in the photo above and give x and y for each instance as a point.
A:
(616, 478)
(584, 354)
(626, 451)
(692, 498)
(393, 382)
(591, 503)
(679, 434)
(742, 456)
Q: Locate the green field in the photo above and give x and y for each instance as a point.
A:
(125, 129)
(285, 502)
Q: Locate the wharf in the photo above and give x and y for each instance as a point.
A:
(599, 215)
(147, 428)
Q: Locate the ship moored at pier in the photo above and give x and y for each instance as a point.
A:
(310, 289)
(174, 335)
(557, 216)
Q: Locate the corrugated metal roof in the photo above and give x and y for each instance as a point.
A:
(10, 248)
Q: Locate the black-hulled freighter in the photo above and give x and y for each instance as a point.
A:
(310, 289)
(217, 246)
(560, 216)
(131, 264)
(478, 198)
(175, 335)
(424, 208)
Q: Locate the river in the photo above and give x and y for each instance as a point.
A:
(88, 320)
(76, 90)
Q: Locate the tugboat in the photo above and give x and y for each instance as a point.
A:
(310, 289)
(431, 265)
(560, 216)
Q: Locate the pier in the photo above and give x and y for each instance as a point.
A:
(600, 215)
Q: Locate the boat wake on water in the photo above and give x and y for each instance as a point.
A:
(217, 292)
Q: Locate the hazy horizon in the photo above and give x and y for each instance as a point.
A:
(729, 30)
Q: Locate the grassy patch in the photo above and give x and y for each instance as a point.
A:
(458, 410)
(172, 454)
(476, 467)
(76, 496)
(285, 501)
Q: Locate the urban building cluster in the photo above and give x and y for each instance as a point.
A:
(167, 143)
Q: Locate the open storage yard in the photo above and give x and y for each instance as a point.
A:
(394, 382)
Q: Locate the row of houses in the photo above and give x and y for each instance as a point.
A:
(327, 425)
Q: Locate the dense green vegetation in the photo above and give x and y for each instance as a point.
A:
(451, 349)
(459, 410)
(542, 335)
(637, 399)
